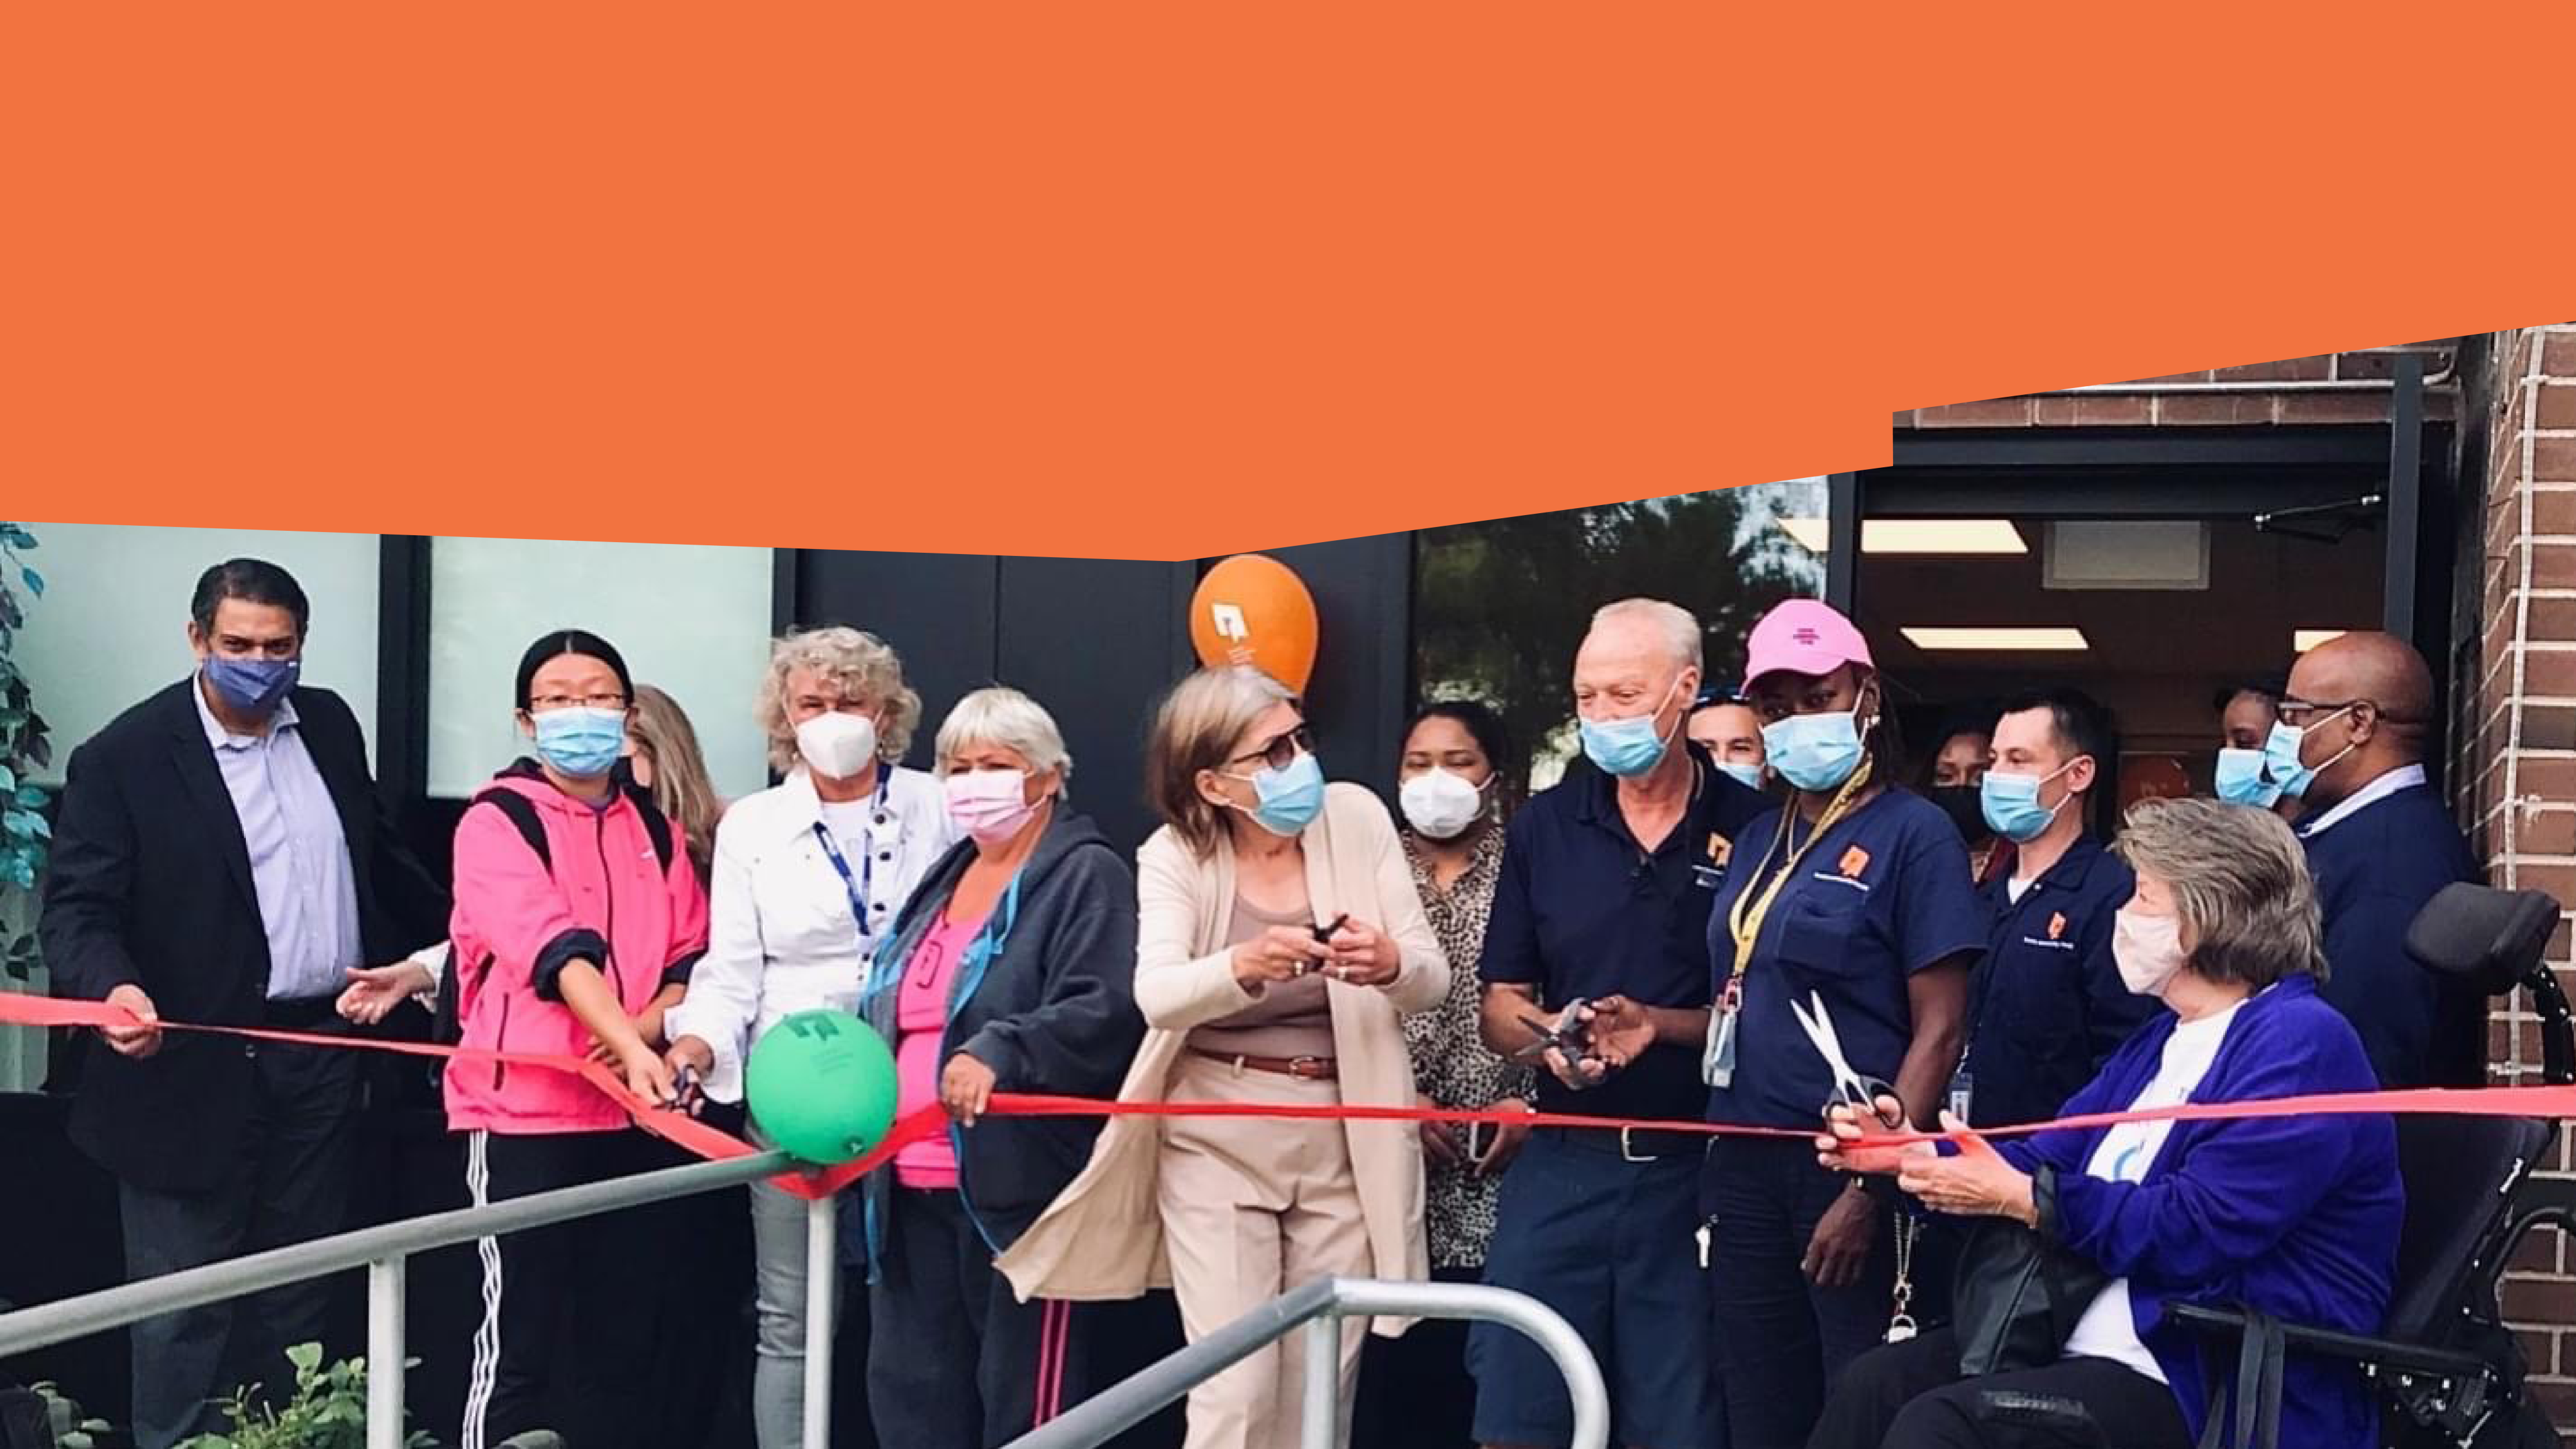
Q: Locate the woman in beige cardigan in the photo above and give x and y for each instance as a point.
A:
(1251, 1000)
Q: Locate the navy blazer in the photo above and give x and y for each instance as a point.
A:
(2297, 1216)
(150, 884)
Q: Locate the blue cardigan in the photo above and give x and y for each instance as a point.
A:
(2297, 1216)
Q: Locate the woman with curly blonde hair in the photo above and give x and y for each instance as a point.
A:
(807, 876)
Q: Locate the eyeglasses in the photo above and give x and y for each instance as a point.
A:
(1282, 751)
(2300, 713)
(547, 703)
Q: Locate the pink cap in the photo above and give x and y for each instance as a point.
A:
(1803, 636)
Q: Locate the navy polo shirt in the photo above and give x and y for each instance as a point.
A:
(2375, 869)
(1882, 895)
(2048, 1008)
(1580, 909)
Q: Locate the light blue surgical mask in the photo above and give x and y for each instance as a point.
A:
(2281, 755)
(1814, 751)
(2241, 780)
(1289, 796)
(1630, 747)
(1749, 775)
(581, 742)
(2011, 803)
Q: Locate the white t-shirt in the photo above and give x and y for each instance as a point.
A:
(2109, 1328)
(2016, 888)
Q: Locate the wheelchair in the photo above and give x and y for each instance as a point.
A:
(2449, 1374)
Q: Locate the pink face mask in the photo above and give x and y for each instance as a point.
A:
(990, 805)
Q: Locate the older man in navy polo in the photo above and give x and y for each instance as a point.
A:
(1605, 891)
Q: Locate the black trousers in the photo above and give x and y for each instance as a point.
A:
(567, 1337)
(1781, 1340)
(1910, 1396)
(1415, 1391)
(957, 1362)
(290, 1183)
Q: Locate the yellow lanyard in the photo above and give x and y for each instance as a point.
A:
(1744, 918)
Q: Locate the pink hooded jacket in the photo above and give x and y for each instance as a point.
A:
(607, 899)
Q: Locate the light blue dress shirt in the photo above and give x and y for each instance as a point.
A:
(299, 855)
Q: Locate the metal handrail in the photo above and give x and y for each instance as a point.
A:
(384, 1250)
(1319, 1307)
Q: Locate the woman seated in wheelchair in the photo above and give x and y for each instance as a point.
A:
(2296, 1217)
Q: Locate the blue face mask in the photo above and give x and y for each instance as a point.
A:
(2011, 803)
(2241, 781)
(1814, 751)
(2281, 756)
(1749, 775)
(1629, 747)
(1290, 798)
(581, 742)
(253, 686)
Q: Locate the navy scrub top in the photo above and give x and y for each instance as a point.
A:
(1581, 910)
(2047, 1007)
(1882, 895)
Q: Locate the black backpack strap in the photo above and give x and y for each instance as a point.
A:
(523, 816)
(657, 825)
(445, 1026)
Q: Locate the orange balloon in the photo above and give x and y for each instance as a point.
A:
(1251, 609)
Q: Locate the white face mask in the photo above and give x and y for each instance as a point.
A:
(1440, 804)
(2147, 949)
(836, 745)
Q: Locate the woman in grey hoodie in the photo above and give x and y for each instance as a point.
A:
(1010, 969)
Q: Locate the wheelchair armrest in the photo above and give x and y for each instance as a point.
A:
(2350, 1347)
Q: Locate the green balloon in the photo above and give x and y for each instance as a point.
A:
(821, 1085)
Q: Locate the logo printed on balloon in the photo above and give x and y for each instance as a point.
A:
(821, 1085)
(1251, 609)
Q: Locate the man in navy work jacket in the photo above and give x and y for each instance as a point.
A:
(1605, 890)
(2350, 747)
(2046, 1007)
(223, 859)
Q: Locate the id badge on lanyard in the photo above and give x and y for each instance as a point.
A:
(863, 882)
(1717, 1053)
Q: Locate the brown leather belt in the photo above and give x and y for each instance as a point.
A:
(1305, 1069)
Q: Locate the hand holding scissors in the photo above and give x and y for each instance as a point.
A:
(1860, 1095)
(1565, 1046)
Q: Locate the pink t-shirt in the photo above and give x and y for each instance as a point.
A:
(920, 1019)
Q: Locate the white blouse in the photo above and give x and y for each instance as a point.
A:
(782, 935)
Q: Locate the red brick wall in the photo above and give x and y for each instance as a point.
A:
(2522, 744)
(2215, 409)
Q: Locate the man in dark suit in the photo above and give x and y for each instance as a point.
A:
(222, 858)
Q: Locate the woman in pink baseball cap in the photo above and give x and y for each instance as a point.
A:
(1841, 942)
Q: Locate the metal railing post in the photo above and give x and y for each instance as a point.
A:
(385, 1352)
(822, 1289)
(1322, 1428)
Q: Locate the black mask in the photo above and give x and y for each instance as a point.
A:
(1966, 809)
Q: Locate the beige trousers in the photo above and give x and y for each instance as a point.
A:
(1253, 1207)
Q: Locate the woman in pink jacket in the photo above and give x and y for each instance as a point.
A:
(576, 909)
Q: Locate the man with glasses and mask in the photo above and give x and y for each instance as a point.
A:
(1604, 896)
(2349, 747)
(222, 858)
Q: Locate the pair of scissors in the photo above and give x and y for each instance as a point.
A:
(1851, 1088)
(1568, 1039)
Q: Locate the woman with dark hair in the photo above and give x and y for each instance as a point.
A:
(559, 951)
(1851, 907)
(1415, 1390)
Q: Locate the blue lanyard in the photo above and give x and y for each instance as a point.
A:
(860, 885)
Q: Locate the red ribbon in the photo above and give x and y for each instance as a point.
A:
(930, 1120)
